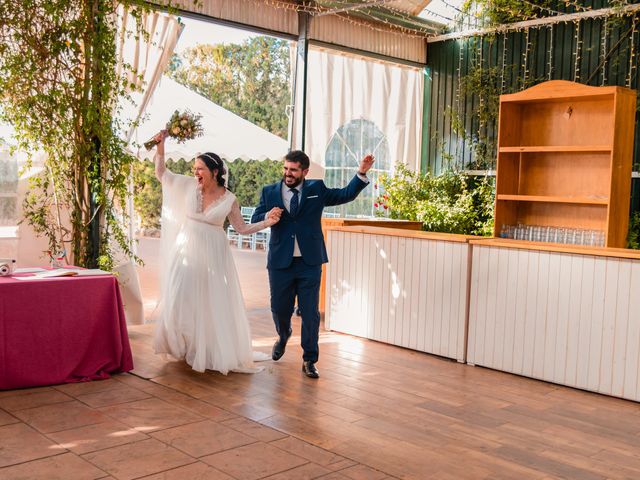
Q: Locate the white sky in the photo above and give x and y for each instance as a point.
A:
(198, 32)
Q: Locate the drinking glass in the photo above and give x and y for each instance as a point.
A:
(519, 232)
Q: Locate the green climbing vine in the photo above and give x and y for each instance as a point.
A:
(61, 90)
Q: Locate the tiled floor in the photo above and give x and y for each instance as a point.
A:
(377, 412)
(105, 430)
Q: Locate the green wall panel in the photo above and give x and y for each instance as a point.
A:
(449, 59)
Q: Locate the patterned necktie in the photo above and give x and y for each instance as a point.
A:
(293, 206)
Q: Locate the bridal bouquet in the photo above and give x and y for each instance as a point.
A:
(181, 126)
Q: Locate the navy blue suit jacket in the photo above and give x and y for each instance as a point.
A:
(306, 225)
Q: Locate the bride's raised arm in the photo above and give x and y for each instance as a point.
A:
(243, 228)
(158, 159)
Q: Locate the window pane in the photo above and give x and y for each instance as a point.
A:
(8, 211)
(348, 145)
(8, 175)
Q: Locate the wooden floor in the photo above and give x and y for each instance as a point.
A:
(377, 412)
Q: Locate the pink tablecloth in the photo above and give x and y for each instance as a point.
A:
(61, 330)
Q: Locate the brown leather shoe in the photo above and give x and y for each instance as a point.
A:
(310, 370)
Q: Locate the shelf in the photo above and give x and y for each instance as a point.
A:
(565, 152)
(555, 199)
(556, 148)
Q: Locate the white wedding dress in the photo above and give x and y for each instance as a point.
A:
(201, 314)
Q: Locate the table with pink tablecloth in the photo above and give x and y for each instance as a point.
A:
(61, 330)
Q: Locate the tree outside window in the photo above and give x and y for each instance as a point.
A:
(349, 144)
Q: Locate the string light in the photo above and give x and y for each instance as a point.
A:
(504, 61)
(418, 26)
(603, 62)
(481, 64)
(435, 14)
(632, 48)
(458, 91)
(576, 65)
(576, 5)
(453, 7)
(410, 26)
(551, 51)
(294, 7)
(407, 18)
(393, 27)
(525, 56)
(417, 30)
(540, 7)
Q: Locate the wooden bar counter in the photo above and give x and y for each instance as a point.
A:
(403, 287)
(328, 223)
(560, 313)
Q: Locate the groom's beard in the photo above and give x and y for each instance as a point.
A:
(292, 182)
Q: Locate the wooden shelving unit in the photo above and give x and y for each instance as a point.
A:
(565, 157)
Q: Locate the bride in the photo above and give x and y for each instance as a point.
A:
(202, 318)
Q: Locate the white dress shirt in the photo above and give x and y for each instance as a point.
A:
(287, 195)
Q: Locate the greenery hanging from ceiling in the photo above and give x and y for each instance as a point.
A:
(500, 12)
(61, 89)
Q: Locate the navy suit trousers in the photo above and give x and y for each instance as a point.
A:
(303, 281)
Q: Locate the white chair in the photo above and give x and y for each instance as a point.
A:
(247, 213)
(233, 236)
(251, 239)
(262, 239)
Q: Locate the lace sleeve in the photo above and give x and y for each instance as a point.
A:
(160, 166)
(235, 217)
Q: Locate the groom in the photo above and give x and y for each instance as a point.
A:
(297, 250)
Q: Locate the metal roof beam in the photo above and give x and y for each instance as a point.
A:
(418, 24)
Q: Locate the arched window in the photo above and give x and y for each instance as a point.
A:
(349, 144)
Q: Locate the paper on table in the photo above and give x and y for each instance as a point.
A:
(90, 272)
(29, 270)
(64, 272)
(58, 272)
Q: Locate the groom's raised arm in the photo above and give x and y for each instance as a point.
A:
(261, 209)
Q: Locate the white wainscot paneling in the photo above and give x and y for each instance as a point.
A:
(566, 318)
(409, 292)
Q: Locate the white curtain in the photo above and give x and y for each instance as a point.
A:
(343, 88)
(143, 58)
